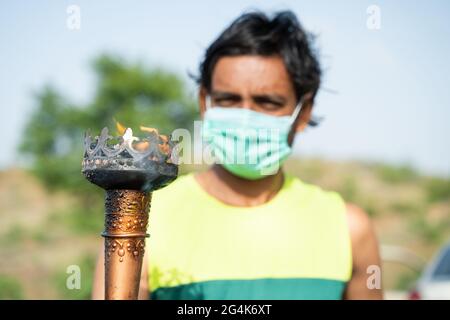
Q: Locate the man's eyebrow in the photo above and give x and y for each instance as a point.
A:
(270, 97)
(265, 97)
(225, 94)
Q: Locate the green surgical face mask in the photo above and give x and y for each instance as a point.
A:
(247, 143)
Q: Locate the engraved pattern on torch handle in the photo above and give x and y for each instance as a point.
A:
(115, 223)
(126, 211)
(127, 202)
(134, 247)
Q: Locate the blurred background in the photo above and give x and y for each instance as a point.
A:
(71, 65)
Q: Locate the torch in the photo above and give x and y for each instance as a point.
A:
(129, 169)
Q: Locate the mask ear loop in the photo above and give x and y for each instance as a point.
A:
(208, 102)
(296, 112)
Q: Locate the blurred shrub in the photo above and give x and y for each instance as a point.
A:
(348, 189)
(438, 189)
(369, 205)
(393, 174)
(407, 280)
(41, 236)
(79, 219)
(308, 170)
(10, 288)
(15, 235)
(433, 233)
(404, 207)
(351, 192)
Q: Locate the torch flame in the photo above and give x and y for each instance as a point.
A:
(120, 128)
(143, 145)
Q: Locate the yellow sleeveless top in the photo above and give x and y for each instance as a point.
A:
(296, 246)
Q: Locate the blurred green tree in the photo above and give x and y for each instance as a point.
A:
(132, 93)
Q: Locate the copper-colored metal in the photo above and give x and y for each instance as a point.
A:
(126, 220)
(129, 169)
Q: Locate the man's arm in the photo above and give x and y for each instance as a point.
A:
(98, 288)
(366, 257)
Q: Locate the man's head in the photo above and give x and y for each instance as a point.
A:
(263, 64)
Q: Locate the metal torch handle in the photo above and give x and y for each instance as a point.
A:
(126, 219)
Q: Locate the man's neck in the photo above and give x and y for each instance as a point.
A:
(236, 191)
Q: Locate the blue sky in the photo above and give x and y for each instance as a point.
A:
(390, 93)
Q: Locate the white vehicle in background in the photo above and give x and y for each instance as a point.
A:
(434, 283)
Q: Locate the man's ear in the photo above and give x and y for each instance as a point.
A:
(202, 93)
(305, 113)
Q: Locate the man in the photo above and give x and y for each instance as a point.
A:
(244, 229)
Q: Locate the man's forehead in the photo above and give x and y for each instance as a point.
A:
(257, 74)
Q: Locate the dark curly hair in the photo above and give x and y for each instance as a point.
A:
(255, 33)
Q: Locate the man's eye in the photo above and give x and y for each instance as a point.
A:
(270, 105)
(226, 101)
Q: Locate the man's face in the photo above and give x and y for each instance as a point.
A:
(255, 82)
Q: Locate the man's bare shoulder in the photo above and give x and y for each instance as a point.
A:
(365, 254)
(359, 222)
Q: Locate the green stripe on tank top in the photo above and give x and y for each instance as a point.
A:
(255, 289)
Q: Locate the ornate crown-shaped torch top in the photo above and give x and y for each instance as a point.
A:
(128, 162)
